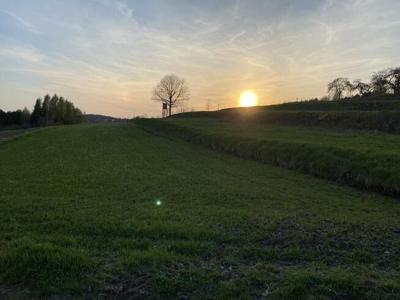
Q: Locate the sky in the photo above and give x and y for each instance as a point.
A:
(107, 55)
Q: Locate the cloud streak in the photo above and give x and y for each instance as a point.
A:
(26, 24)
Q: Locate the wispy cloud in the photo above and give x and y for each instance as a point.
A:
(21, 21)
(27, 54)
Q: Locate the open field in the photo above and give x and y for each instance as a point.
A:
(79, 217)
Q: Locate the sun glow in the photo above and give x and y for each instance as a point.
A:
(248, 98)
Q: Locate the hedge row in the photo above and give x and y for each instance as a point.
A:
(387, 121)
(371, 103)
(374, 173)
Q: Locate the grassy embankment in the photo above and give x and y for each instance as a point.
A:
(321, 138)
(78, 216)
(379, 114)
(367, 160)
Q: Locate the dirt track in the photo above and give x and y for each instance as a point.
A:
(10, 134)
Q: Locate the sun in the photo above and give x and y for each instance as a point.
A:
(248, 98)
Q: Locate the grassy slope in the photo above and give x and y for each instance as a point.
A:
(373, 103)
(366, 160)
(367, 142)
(385, 121)
(374, 113)
(77, 209)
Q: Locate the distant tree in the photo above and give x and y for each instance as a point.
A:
(46, 109)
(3, 118)
(338, 87)
(324, 98)
(69, 112)
(392, 77)
(61, 110)
(361, 88)
(37, 112)
(78, 116)
(25, 117)
(172, 91)
(53, 109)
(379, 83)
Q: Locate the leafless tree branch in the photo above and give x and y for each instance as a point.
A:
(172, 91)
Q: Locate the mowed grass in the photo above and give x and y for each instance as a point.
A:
(78, 216)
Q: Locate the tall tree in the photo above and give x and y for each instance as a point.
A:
(171, 91)
(338, 87)
(25, 116)
(53, 109)
(393, 80)
(46, 109)
(37, 112)
(3, 118)
(379, 83)
(60, 115)
(50, 111)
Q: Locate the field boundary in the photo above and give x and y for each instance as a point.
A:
(385, 121)
(11, 135)
(349, 167)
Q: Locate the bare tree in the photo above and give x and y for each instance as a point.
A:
(379, 82)
(338, 87)
(361, 88)
(172, 91)
(393, 80)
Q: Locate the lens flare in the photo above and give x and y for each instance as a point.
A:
(248, 98)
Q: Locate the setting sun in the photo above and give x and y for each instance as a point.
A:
(248, 98)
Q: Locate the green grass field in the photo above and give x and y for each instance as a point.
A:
(364, 159)
(367, 142)
(79, 216)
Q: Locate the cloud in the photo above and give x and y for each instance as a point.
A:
(28, 54)
(23, 22)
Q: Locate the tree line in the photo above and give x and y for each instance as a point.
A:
(385, 82)
(49, 111)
